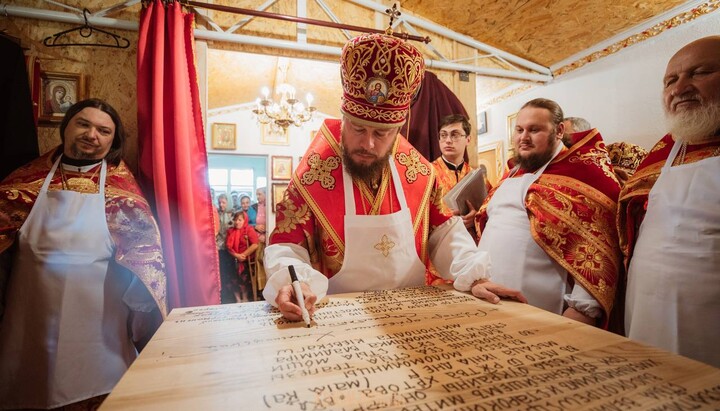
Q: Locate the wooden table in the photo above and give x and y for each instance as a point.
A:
(415, 349)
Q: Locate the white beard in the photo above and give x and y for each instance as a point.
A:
(692, 126)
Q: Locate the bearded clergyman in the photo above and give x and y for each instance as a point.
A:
(669, 215)
(363, 209)
(549, 225)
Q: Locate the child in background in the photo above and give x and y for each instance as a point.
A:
(242, 241)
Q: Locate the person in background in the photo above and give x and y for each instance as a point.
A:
(260, 209)
(363, 209)
(549, 225)
(235, 205)
(225, 260)
(251, 212)
(573, 125)
(82, 277)
(242, 241)
(451, 167)
(669, 215)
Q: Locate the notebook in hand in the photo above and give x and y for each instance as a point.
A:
(471, 188)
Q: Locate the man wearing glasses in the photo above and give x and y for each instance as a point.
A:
(452, 166)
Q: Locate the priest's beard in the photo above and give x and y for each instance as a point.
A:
(534, 161)
(78, 154)
(369, 172)
(692, 126)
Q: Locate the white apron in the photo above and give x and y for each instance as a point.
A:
(64, 337)
(380, 250)
(673, 289)
(517, 260)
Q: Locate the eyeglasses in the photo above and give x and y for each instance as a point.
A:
(454, 136)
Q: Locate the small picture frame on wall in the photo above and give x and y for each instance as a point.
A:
(281, 167)
(58, 92)
(274, 135)
(482, 123)
(223, 136)
(278, 192)
(491, 157)
(511, 120)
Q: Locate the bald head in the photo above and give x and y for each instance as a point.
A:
(691, 90)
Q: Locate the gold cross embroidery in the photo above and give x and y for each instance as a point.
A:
(320, 171)
(414, 165)
(384, 245)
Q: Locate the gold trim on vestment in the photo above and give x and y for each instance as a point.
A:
(586, 189)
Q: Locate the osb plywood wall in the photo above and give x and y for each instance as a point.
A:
(543, 31)
(110, 74)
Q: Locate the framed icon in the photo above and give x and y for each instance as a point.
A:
(281, 167)
(274, 135)
(482, 123)
(59, 91)
(223, 136)
(491, 157)
(278, 192)
(511, 120)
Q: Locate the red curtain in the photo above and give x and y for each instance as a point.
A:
(173, 160)
(434, 102)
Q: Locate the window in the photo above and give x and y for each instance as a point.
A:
(236, 174)
(235, 183)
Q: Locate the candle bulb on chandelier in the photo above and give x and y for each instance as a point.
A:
(265, 92)
(309, 99)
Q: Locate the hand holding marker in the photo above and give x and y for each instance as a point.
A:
(299, 295)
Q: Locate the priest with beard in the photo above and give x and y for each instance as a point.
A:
(363, 209)
(669, 215)
(549, 224)
(82, 275)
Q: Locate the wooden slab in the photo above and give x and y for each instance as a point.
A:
(419, 349)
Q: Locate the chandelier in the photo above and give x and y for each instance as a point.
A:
(288, 110)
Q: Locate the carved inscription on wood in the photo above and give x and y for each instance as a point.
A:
(417, 349)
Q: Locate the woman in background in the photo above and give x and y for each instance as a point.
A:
(242, 241)
(251, 212)
(225, 260)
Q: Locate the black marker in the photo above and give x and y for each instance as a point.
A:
(299, 295)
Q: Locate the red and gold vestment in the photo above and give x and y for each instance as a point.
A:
(130, 221)
(447, 178)
(633, 199)
(312, 212)
(572, 208)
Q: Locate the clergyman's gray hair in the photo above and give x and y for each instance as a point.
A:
(578, 123)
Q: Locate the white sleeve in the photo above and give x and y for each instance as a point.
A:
(581, 300)
(277, 259)
(456, 257)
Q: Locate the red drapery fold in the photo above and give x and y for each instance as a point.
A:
(173, 160)
(434, 102)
